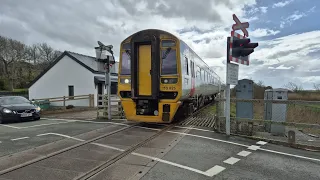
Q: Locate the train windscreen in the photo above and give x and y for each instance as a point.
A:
(169, 62)
(125, 63)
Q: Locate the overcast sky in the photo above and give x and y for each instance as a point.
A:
(288, 31)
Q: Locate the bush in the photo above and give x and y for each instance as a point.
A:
(3, 84)
(70, 107)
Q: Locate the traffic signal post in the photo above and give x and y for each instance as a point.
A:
(108, 62)
(238, 50)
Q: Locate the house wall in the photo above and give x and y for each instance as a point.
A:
(56, 81)
(114, 96)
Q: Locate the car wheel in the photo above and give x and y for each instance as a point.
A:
(1, 121)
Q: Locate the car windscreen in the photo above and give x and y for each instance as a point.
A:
(13, 100)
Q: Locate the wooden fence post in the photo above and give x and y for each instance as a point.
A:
(64, 102)
(91, 100)
(92, 96)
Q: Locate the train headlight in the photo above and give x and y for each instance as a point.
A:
(125, 80)
(169, 80)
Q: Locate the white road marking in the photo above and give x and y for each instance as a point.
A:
(254, 147)
(214, 170)
(293, 155)
(231, 160)
(95, 122)
(148, 128)
(244, 153)
(211, 172)
(57, 134)
(199, 129)
(106, 146)
(38, 125)
(261, 142)
(204, 137)
(10, 126)
(16, 139)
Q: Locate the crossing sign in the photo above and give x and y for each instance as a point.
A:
(239, 25)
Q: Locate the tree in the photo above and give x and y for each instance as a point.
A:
(293, 87)
(47, 54)
(316, 87)
(19, 63)
(11, 51)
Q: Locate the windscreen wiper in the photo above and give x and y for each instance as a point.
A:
(166, 53)
(128, 53)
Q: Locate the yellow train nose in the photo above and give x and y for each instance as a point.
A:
(164, 114)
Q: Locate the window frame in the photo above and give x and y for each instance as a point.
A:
(71, 90)
(173, 48)
(124, 47)
(186, 61)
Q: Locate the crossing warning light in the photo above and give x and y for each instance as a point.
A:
(242, 47)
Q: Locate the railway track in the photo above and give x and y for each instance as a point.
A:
(105, 165)
(202, 118)
(117, 156)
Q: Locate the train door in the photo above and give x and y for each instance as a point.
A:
(144, 74)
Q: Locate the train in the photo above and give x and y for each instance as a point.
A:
(160, 78)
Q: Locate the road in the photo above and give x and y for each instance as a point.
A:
(180, 153)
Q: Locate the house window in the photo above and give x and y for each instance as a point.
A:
(71, 92)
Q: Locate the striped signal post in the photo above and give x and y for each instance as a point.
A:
(238, 50)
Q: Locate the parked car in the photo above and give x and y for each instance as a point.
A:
(17, 108)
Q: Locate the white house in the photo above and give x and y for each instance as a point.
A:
(73, 74)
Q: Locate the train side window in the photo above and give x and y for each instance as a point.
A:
(193, 73)
(192, 69)
(186, 65)
(198, 73)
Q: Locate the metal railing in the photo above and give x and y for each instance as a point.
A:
(275, 120)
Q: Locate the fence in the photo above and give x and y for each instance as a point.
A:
(292, 121)
(116, 107)
(65, 102)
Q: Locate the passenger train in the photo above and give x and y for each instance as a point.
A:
(161, 78)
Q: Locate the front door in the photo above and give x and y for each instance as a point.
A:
(144, 63)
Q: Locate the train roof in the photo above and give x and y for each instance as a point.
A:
(168, 33)
(144, 30)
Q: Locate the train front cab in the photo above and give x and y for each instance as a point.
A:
(150, 80)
